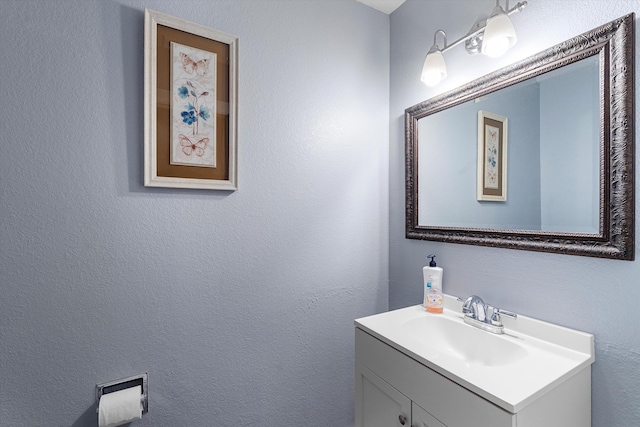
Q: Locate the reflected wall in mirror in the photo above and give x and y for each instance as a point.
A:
(570, 157)
(553, 156)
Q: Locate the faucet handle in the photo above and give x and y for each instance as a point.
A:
(507, 313)
(466, 305)
(496, 320)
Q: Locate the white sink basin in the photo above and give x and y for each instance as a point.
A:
(474, 346)
(510, 369)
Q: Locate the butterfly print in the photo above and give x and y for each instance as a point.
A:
(190, 66)
(188, 147)
(492, 178)
(493, 134)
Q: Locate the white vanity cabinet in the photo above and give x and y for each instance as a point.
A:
(390, 383)
(397, 385)
(378, 404)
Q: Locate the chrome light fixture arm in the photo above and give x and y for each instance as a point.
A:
(435, 41)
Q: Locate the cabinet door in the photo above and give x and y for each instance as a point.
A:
(421, 418)
(377, 403)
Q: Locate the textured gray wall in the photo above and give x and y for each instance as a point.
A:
(595, 295)
(239, 305)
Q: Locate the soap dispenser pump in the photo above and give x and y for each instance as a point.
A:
(432, 286)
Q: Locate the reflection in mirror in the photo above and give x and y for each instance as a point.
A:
(553, 156)
(568, 151)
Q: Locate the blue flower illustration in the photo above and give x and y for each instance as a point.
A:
(492, 156)
(204, 113)
(189, 117)
(183, 92)
(194, 107)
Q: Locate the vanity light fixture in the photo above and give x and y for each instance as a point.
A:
(499, 34)
(434, 69)
(491, 37)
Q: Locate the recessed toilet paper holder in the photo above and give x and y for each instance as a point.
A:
(124, 383)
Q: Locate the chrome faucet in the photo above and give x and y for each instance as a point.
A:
(481, 315)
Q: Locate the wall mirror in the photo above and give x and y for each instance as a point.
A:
(561, 127)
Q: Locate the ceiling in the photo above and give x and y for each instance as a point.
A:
(386, 6)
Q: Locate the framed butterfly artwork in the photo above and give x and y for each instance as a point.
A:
(492, 157)
(190, 138)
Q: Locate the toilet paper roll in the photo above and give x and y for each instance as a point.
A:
(120, 407)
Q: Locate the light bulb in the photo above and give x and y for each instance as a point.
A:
(499, 34)
(497, 47)
(434, 69)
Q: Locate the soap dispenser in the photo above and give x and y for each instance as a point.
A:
(432, 286)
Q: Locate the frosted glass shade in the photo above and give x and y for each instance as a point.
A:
(499, 34)
(434, 69)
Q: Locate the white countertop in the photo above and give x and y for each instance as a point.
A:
(553, 354)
